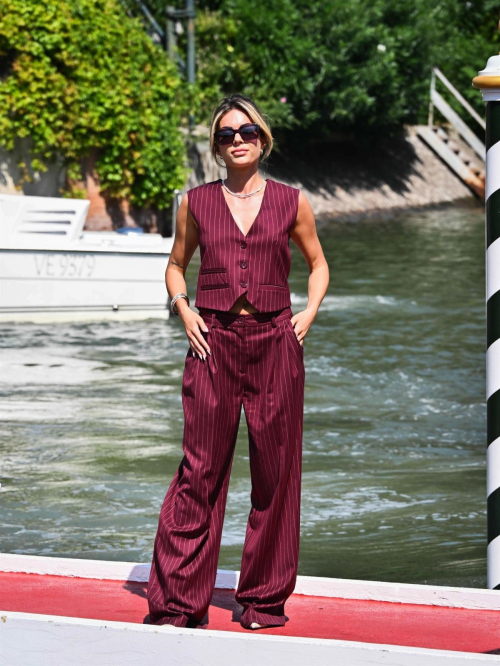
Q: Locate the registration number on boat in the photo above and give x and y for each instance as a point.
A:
(63, 264)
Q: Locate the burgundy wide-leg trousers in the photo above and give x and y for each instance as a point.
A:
(258, 362)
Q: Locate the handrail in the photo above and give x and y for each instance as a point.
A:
(436, 100)
(459, 97)
(461, 127)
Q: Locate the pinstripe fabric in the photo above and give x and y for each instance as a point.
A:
(233, 263)
(256, 363)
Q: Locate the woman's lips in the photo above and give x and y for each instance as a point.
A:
(239, 152)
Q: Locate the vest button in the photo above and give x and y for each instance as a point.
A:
(243, 244)
(243, 284)
(243, 264)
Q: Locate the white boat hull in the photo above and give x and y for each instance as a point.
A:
(52, 270)
(60, 285)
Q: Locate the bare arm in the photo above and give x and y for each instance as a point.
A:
(304, 235)
(184, 246)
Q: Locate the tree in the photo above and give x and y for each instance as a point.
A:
(78, 76)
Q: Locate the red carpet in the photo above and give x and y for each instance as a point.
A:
(406, 624)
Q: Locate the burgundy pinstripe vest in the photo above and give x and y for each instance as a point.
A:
(232, 263)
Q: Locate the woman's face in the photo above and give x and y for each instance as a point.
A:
(241, 152)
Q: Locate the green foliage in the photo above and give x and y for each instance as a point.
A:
(357, 66)
(78, 76)
(81, 77)
(469, 33)
(321, 67)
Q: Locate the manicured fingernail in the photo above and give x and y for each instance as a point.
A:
(209, 352)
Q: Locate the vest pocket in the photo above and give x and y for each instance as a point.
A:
(213, 278)
(272, 286)
(215, 286)
(206, 271)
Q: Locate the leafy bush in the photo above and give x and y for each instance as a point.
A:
(333, 67)
(323, 67)
(469, 36)
(78, 76)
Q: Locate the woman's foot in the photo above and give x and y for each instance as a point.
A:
(254, 625)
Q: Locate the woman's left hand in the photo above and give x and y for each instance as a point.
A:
(301, 323)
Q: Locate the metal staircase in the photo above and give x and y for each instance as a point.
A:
(455, 143)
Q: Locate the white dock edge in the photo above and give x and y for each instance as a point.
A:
(48, 640)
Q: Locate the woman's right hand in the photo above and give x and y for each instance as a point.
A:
(195, 327)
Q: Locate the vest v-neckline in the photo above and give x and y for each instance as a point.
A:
(268, 180)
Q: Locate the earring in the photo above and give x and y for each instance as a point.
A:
(262, 151)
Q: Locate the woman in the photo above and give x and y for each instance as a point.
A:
(246, 349)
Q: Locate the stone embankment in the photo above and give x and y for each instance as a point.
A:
(351, 180)
(342, 179)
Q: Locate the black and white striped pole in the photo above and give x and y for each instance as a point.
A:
(488, 82)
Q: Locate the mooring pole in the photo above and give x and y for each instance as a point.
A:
(488, 82)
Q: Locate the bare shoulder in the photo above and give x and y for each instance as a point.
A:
(304, 204)
(305, 214)
(185, 218)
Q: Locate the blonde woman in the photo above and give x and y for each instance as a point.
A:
(245, 350)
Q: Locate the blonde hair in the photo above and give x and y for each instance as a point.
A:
(248, 106)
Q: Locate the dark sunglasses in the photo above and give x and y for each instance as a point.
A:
(248, 131)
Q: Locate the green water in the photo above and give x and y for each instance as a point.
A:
(394, 457)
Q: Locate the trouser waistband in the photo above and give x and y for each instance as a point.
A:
(222, 318)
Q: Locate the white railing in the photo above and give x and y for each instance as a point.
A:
(437, 101)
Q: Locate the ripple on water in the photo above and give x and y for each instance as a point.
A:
(394, 429)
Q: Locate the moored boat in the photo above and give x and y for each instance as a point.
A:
(53, 270)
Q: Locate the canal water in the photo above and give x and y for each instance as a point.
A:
(394, 471)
